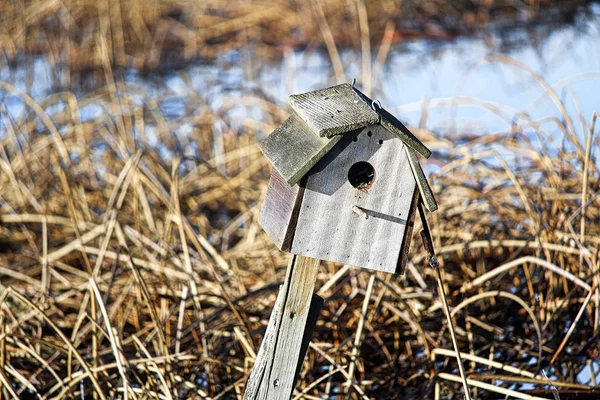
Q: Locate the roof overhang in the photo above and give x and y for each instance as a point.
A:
(319, 120)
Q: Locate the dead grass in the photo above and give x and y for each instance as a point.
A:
(159, 34)
(133, 266)
(133, 272)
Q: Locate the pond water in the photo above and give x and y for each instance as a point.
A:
(472, 86)
(458, 82)
(416, 75)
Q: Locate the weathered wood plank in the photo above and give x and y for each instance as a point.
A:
(293, 149)
(424, 188)
(280, 210)
(264, 358)
(286, 343)
(408, 234)
(327, 226)
(333, 110)
(391, 123)
(311, 322)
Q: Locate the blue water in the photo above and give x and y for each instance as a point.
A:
(568, 61)
(454, 81)
(430, 75)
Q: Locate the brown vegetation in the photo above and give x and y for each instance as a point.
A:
(131, 258)
(157, 34)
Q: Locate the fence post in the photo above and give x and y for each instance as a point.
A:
(288, 334)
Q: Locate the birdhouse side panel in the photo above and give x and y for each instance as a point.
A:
(347, 219)
(280, 210)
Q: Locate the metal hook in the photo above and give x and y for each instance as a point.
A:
(378, 104)
(353, 82)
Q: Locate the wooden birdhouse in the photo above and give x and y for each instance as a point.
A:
(346, 181)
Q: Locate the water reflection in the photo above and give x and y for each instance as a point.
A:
(416, 75)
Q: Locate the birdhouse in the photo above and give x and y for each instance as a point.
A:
(346, 181)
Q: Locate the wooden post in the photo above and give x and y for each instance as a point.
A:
(288, 334)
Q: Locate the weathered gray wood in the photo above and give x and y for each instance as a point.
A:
(333, 110)
(311, 322)
(424, 188)
(285, 344)
(264, 357)
(392, 124)
(408, 234)
(293, 149)
(327, 226)
(280, 210)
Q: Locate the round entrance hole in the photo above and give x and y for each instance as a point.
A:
(361, 175)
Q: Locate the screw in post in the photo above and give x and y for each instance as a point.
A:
(360, 211)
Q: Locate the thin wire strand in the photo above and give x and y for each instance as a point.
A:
(433, 261)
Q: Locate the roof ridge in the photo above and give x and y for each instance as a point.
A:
(314, 128)
(393, 124)
(334, 110)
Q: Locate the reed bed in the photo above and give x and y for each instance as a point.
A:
(163, 34)
(132, 264)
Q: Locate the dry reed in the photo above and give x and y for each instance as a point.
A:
(133, 266)
(159, 34)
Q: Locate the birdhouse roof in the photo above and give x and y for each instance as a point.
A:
(319, 120)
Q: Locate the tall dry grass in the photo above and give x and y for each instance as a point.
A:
(158, 34)
(132, 264)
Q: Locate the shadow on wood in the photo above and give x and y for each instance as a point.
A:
(288, 334)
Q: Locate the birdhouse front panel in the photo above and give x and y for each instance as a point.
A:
(346, 181)
(358, 203)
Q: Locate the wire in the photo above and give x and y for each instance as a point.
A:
(435, 264)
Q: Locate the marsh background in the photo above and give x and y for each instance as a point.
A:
(131, 261)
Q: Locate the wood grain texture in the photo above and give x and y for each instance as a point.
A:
(280, 210)
(333, 110)
(392, 124)
(424, 188)
(289, 331)
(257, 380)
(408, 235)
(293, 149)
(311, 322)
(329, 229)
